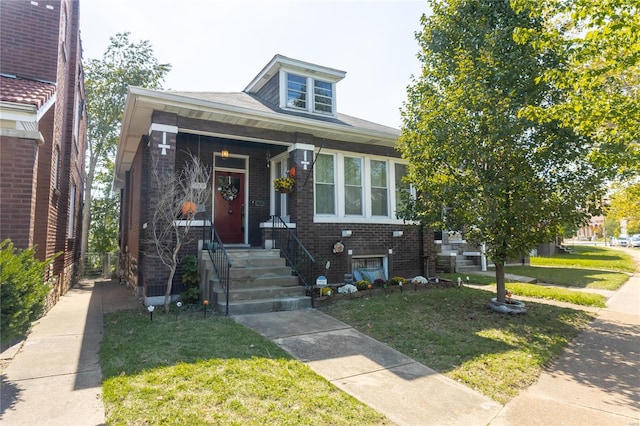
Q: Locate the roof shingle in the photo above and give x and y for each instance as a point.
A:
(23, 91)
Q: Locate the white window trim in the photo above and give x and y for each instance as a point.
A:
(311, 96)
(276, 173)
(367, 217)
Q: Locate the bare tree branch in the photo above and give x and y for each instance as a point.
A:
(178, 195)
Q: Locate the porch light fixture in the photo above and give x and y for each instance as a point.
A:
(224, 153)
(346, 232)
(398, 233)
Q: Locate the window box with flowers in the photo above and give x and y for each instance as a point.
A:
(284, 184)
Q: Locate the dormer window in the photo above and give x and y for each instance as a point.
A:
(320, 100)
(323, 97)
(296, 91)
(297, 86)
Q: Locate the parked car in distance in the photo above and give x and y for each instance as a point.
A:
(623, 241)
(634, 241)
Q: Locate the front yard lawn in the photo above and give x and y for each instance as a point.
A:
(189, 370)
(453, 331)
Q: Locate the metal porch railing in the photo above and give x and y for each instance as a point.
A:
(295, 253)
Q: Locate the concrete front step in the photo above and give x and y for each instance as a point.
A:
(265, 305)
(260, 282)
(241, 272)
(468, 268)
(237, 294)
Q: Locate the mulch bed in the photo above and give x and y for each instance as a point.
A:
(320, 301)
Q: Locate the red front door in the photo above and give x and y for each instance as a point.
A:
(229, 207)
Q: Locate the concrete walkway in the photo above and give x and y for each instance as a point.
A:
(407, 392)
(53, 377)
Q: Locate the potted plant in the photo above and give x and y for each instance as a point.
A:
(284, 184)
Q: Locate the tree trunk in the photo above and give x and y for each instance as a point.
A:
(174, 266)
(86, 216)
(501, 288)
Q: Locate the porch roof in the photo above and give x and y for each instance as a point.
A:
(238, 108)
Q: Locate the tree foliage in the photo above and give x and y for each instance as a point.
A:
(107, 81)
(475, 159)
(599, 43)
(103, 235)
(624, 205)
(168, 235)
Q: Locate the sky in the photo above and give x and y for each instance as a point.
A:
(220, 45)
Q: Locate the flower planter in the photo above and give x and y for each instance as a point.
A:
(509, 307)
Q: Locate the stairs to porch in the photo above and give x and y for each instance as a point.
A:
(260, 281)
(452, 260)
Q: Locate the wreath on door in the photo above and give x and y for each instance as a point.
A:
(228, 192)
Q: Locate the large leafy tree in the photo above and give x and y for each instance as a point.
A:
(625, 206)
(599, 42)
(107, 80)
(475, 159)
(103, 235)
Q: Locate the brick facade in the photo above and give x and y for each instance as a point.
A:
(408, 255)
(40, 43)
(261, 131)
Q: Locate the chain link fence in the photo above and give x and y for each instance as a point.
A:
(103, 265)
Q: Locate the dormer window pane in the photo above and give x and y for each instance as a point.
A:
(323, 96)
(296, 91)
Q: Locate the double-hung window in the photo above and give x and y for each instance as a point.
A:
(353, 186)
(325, 185)
(358, 188)
(379, 189)
(309, 94)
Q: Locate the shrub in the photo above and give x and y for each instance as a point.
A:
(362, 285)
(326, 291)
(397, 281)
(22, 290)
(191, 280)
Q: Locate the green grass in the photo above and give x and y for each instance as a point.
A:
(559, 294)
(589, 257)
(196, 371)
(587, 267)
(538, 291)
(477, 279)
(572, 277)
(453, 331)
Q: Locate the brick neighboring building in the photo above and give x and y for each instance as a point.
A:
(347, 171)
(42, 132)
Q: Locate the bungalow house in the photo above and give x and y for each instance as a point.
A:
(340, 214)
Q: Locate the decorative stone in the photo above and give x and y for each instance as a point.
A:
(508, 307)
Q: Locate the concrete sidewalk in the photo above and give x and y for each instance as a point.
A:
(53, 377)
(596, 381)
